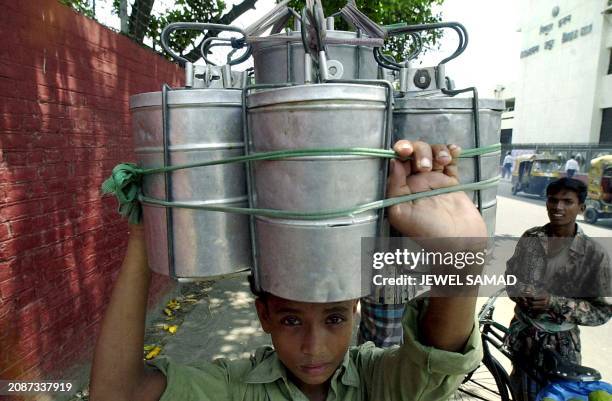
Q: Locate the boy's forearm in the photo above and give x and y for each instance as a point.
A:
(117, 365)
(448, 322)
(449, 318)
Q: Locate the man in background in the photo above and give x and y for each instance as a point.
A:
(507, 166)
(563, 279)
(571, 166)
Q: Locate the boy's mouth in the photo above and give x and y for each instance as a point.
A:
(314, 369)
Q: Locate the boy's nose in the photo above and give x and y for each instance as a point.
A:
(312, 342)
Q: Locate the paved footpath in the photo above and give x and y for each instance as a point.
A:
(223, 324)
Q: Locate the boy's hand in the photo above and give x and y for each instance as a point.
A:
(431, 167)
(448, 321)
(539, 303)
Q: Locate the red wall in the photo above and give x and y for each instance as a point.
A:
(65, 82)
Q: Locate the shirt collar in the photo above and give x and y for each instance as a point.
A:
(270, 369)
(348, 370)
(578, 243)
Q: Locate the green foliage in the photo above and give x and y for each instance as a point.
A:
(385, 12)
(182, 42)
(184, 11)
(82, 6)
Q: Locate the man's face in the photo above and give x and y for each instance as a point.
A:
(563, 207)
(310, 339)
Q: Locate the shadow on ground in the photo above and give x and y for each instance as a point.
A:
(223, 324)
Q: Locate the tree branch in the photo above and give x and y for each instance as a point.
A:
(140, 18)
(226, 19)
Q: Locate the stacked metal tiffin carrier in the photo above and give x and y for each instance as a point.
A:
(314, 88)
(427, 108)
(200, 122)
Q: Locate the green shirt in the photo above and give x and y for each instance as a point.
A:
(412, 372)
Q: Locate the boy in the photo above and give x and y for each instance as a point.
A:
(311, 359)
(568, 273)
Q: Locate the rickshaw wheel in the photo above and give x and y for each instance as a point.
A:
(591, 215)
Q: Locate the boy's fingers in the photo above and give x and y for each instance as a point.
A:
(455, 152)
(441, 157)
(396, 183)
(451, 168)
(421, 157)
(435, 181)
(452, 171)
(403, 148)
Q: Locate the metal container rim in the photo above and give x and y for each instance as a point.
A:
(295, 36)
(361, 218)
(446, 102)
(317, 92)
(184, 96)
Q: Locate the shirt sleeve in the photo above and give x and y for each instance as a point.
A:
(593, 309)
(582, 311)
(205, 382)
(414, 371)
(516, 266)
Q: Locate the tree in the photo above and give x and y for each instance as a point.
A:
(82, 6)
(143, 23)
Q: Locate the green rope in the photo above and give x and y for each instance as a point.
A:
(126, 181)
(325, 214)
(284, 154)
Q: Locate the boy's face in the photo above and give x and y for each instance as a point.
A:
(310, 339)
(563, 207)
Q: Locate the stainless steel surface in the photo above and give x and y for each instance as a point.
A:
(278, 61)
(440, 119)
(293, 252)
(204, 124)
(310, 263)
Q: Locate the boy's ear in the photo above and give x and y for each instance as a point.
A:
(355, 303)
(263, 314)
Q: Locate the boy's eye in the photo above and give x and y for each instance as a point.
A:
(335, 319)
(290, 321)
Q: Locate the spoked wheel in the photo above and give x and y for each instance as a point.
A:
(591, 215)
(489, 382)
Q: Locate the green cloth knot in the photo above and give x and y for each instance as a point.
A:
(125, 182)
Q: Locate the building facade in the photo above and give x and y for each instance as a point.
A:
(564, 94)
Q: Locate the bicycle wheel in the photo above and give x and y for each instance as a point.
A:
(489, 382)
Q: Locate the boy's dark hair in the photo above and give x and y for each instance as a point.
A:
(570, 184)
(262, 295)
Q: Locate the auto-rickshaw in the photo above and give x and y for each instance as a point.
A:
(599, 199)
(533, 172)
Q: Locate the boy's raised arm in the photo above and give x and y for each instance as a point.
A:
(448, 321)
(118, 371)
